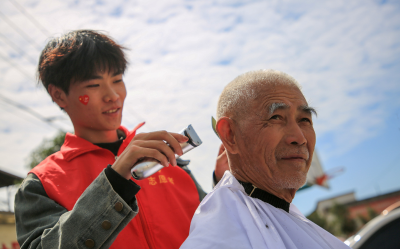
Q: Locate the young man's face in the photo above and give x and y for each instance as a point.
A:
(96, 104)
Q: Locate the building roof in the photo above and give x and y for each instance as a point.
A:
(375, 198)
(349, 200)
(7, 179)
(323, 205)
(7, 217)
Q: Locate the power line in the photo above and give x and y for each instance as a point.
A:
(24, 118)
(31, 18)
(30, 111)
(140, 117)
(382, 172)
(21, 52)
(23, 34)
(20, 32)
(392, 164)
(17, 67)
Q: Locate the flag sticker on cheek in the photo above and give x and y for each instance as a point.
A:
(84, 99)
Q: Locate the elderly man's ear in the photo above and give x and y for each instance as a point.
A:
(226, 129)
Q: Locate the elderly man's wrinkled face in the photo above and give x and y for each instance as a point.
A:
(277, 138)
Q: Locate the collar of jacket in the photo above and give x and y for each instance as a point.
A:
(75, 146)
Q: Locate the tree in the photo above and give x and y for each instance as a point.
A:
(45, 149)
(337, 220)
(371, 213)
(320, 221)
(343, 224)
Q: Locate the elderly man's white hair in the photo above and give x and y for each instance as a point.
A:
(243, 89)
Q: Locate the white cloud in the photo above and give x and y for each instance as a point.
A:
(183, 53)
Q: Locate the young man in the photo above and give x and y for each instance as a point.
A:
(73, 199)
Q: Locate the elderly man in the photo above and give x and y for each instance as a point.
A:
(266, 126)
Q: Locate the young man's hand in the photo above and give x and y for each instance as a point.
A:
(150, 146)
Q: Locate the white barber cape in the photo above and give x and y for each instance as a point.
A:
(228, 218)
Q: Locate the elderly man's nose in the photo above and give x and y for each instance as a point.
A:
(295, 135)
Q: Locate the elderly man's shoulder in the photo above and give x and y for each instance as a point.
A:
(219, 211)
(223, 195)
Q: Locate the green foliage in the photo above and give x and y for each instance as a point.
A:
(314, 217)
(371, 213)
(45, 149)
(337, 221)
(343, 224)
(18, 182)
(321, 221)
(362, 219)
(365, 219)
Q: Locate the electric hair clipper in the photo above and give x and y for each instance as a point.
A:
(146, 169)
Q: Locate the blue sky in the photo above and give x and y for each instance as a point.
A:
(182, 54)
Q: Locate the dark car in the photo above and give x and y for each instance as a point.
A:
(382, 232)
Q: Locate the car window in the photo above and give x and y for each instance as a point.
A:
(387, 237)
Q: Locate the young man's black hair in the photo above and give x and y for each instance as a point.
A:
(77, 56)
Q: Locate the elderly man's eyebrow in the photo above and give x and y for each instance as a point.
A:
(308, 109)
(277, 106)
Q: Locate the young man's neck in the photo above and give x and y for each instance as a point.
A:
(96, 137)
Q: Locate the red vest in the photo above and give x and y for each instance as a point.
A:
(167, 200)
